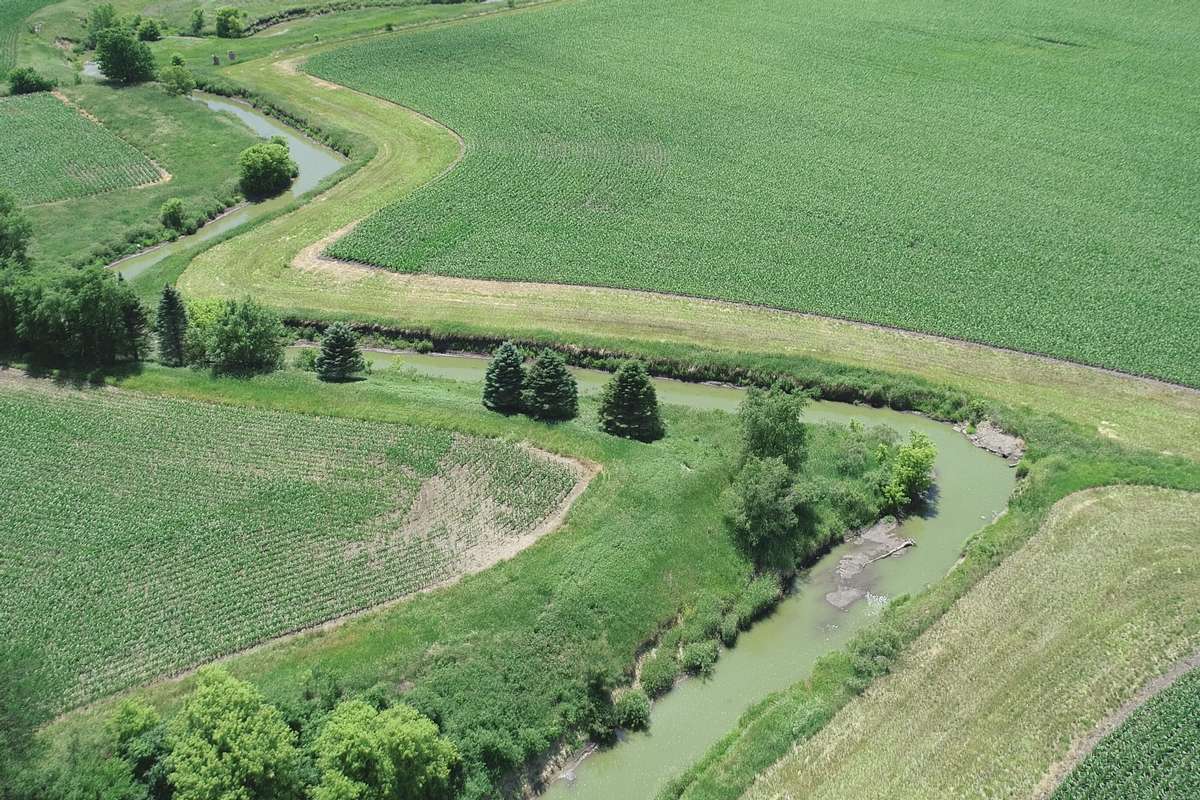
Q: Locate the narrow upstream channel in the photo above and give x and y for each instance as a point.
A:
(315, 161)
(972, 487)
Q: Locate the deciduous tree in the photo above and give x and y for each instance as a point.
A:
(772, 426)
(123, 58)
(396, 754)
(266, 169)
(228, 743)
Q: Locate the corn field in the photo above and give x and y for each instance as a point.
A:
(1019, 175)
(144, 535)
(53, 152)
(1154, 755)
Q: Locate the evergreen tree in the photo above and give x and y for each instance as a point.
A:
(505, 380)
(550, 390)
(170, 325)
(629, 405)
(340, 357)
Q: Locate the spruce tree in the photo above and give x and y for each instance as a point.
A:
(505, 380)
(629, 405)
(170, 326)
(340, 357)
(550, 390)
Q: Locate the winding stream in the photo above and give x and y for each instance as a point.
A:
(972, 487)
(316, 162)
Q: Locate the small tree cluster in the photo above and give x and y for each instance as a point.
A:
(629, 405)
(229, 22)
(340, 358)
(196, 22)
(266, 169)
(763, 507)
(546, 391)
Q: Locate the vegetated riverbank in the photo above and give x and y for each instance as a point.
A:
(1060, 634)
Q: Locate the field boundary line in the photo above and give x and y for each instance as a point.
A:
(1082, 748)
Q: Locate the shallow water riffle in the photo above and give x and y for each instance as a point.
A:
(972, 487)
(316, 163)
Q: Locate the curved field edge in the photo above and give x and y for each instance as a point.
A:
(1149, 751)
(1055, 638)
(278, 261)
(248, 525)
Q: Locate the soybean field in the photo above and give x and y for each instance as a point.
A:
(1021, 175)
(53, 152)
(1154, 755)
(144, 535)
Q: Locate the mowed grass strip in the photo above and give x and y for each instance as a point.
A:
(53, 152)
(1018, 175)
(143, 535)
(1104, 597)
(1154, 754)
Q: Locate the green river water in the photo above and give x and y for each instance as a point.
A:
(972, 488)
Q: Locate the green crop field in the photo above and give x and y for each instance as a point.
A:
(1154, 754)
(63, 154)
(1058, 636)
(1019, 174)
(145, 535)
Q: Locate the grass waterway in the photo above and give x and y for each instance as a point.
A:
(315, 161)
(972, 487)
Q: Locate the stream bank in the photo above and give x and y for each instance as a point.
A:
(972, 488)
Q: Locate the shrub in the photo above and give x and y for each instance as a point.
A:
(699, 658)
(306, 359)
(633, 710)
(550, 390)
(123, 58)
(759, 597)
(505, 380)
(911, 469)
(177, 79)
(266, 169)
(229, 22)
(703, 622)
(340, 357)
(729, 629)
(245, 338)
(629, 405)
(171, 214)
(659, 672)
(27, 80)
(149, 31)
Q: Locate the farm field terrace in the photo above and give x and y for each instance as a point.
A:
(145, 535)
(1059, 635)
(1017, 176)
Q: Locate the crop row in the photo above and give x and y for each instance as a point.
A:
(61, 153)
(1154, 755)
(144, 535)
